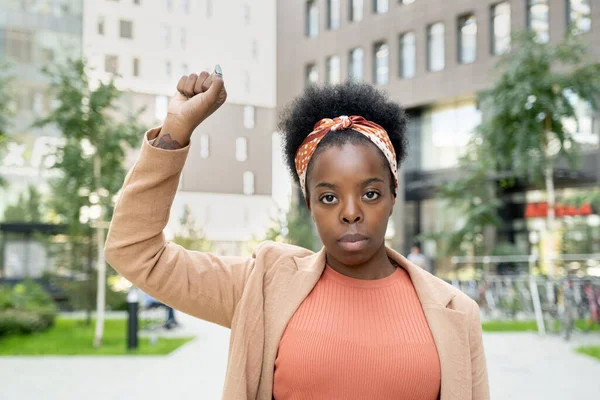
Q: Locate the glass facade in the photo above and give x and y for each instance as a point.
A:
(467, 39)
(445, 132)
(334, 73)
(501, 29)
(312, 18)
(356, 64)
(436, 48)
(580, 15)
(538, 19)
(381, 63)
(408, 55)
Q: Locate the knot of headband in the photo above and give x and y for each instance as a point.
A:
(374, 132)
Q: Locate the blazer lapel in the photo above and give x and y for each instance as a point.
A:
(449, 328)
(292, 292)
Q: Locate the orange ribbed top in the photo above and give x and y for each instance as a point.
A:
(358, 339)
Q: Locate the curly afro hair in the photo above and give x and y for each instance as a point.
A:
(330, 101)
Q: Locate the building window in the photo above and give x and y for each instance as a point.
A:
(161, 106)
(500, 28)
(585, 127)
(312, 74)
(136, 66)
(538, 20)
(168, 69)
(111, 64)
(445, 133)
(356, 64)
(312, 18)
(467, 39)
(183, 38)
(408, 55)
(204, 146)
(209, 8)
(126, 29)
(579, 14)
(241, 149)
(357, 8)
(166, 35)
(333, 14)
(246, 13)
(19, 45)
(185, 6)
(248, 183)
(436, 51)
(100, 25)
(333, 70)
(381, 6)
(381, 63)
(254, 50)
(249, 117)
(247, 81)
(168, 4)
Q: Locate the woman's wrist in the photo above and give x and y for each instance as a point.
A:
(172, 136)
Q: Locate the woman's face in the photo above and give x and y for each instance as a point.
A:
(350, 200)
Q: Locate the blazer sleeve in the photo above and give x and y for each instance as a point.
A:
(200, 284)
(479, 375)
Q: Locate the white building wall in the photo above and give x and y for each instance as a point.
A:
(239, 35)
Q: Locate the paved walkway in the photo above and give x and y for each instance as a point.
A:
(521, 366)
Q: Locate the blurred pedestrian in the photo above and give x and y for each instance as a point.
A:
(418, 258)
(151, 302)
(355, 320)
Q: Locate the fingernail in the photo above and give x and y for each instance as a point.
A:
(218, 70)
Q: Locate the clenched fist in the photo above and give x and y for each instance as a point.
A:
(197, 97)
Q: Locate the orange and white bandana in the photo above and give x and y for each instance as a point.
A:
(374, 132)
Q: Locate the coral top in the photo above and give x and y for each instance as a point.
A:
(358, 339)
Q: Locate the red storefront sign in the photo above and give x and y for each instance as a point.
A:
(540, 210)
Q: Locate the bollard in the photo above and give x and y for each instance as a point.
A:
(132, 319)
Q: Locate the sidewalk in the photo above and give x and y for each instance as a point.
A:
(522, 366)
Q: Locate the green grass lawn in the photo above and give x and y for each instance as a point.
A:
(72, 337)
(593, 351)
(522, 326)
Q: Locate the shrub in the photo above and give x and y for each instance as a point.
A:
(25, 308)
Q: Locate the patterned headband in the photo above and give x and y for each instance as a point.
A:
(374, 132)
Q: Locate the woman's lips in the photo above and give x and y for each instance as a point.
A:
(353, 242)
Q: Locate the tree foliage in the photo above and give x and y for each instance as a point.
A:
(86, 118)
(524, 128)
(295, 228)
(6, 111)
(189, 235)
(533, 96)
(29, 207)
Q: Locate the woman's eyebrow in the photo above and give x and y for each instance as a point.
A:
(372, 180)
(326, 185)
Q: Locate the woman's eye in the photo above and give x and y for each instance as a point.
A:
(328, 199)
(371, 195)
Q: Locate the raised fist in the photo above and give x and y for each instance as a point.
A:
(197, 97)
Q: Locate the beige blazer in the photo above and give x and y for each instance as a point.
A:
(256, 296)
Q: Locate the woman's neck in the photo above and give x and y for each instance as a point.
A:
(377, 267)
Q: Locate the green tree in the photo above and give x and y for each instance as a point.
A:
(29, 207)
(91, 159)
(529, 106)
(295, 228)
(525, 129)
(6, 112)
(189, 236)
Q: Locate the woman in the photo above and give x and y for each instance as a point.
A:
(354, 321)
